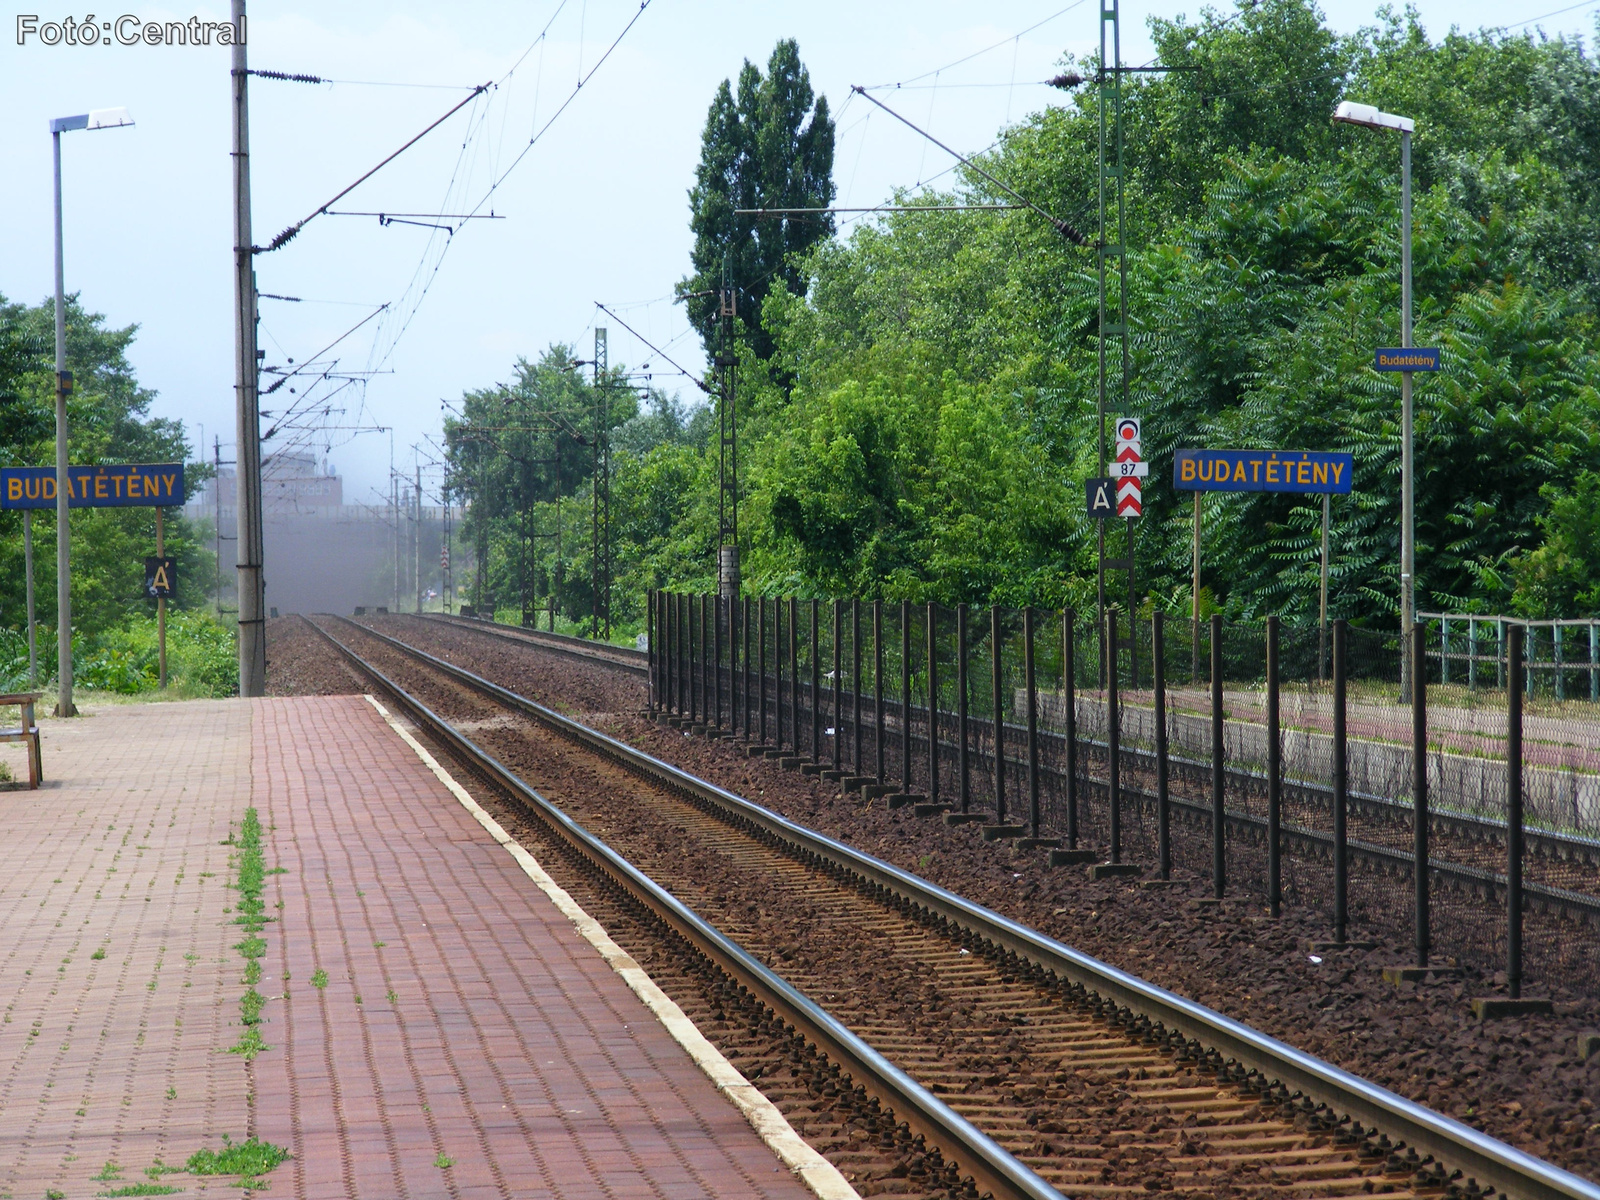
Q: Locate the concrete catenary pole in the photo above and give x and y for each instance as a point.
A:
(252, 594)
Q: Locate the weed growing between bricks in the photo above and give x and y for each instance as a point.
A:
(250, 1158)
(252, 915)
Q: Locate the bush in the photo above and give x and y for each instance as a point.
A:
(202, 657)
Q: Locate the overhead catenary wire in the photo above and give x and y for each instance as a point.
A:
(654, 349)
(314, 358)
(1068, 231)
(878, 87)
(289, 233)
(571, 96)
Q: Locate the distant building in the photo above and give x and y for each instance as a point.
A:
(323, 555)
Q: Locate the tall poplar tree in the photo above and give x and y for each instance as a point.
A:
(769, 146)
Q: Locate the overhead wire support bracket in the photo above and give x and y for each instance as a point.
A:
(289, 234)
(1066, 230)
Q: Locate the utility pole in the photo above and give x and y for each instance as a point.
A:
(600, 538)
(480, 523)
(727, 364)
(252, 592)
(446, 567)
(216, 531)
(416, 538)
(394, 515)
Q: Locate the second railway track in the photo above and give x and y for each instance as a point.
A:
(1102, 1085)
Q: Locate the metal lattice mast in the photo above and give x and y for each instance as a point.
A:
(727, 364)
(600, 489)
(1110, 245)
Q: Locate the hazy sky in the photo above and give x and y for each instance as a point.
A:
(595, 211)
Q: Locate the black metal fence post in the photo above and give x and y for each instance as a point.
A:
(877, 688)
(963, 730)
(650, 651)
(1158, 671)
(664, 659)
(733, 666)
(1069, 679)
(999, 716)
(933, 704)
(855, 714)
(1274, 773)
(777, 672)
(838, 691)
(678, 673)
(716, 654)
(1514, 684)
(794, 672)
(694, 678)
(1419, 786)
(761, 666)
(1113, 736)
(706, 665)
(905, 699)
(816, 691)
(1029, 682)
(744, 628)
(1219, 856)
(1341, 784)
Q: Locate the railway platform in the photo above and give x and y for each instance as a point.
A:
(435, 1022)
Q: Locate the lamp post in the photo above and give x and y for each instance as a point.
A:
(100, 118)
(1369, 117)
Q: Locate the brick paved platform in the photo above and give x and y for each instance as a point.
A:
(463, 1017)
(114, 1058)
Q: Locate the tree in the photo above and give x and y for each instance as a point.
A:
(759, 150)
(110, 423)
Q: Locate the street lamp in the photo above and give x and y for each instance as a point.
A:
(1369, 117)
(100, 118)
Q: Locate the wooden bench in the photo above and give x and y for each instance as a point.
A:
(27, 732)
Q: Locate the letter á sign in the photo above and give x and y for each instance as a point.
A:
(160, 577)
(1100, 497)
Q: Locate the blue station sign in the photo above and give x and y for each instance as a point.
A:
(1312, 471)
(1406, 358)
(124, 485)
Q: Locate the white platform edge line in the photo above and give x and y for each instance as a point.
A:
(816, 1172)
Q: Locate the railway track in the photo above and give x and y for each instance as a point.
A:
(1468, 849)
(561, 643)
(1037, 1070)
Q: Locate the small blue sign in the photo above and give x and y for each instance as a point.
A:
(1406, 358)
(124, 485)
(1262, 471)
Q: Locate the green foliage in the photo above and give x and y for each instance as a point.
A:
(1563, 574)
(918, 407)
(758, 150)
(250, 1157)
(202, 656)
(108, 416)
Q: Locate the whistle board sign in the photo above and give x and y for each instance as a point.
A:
(1406, 358)
(126, 485)
(1311, 471)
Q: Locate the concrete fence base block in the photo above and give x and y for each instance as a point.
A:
(1487, 1008)
(1114, 870)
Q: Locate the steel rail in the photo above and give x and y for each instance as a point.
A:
(976, 1155)
(562, 643)
(1457, 1146)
